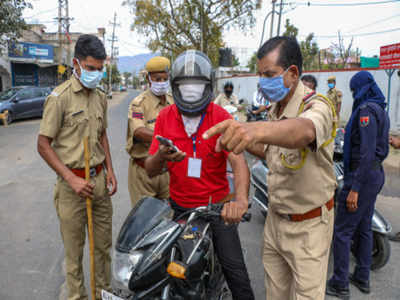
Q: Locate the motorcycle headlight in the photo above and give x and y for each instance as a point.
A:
(123, 266)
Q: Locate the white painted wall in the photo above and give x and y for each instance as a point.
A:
(244, 87)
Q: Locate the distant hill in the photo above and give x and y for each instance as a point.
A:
(134, 64)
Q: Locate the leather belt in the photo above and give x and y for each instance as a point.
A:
(139, 162)
(355, 164)
(314, 213)
(93, 171)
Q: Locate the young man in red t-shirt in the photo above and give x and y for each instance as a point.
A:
(197, 171)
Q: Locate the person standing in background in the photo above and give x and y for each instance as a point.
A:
(334, 95)
(366, 145)
(142, 115)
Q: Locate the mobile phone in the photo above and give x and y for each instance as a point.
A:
(167, 142)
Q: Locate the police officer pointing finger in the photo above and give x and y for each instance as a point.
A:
(297, 145)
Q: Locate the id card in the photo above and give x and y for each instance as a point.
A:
(194, 167)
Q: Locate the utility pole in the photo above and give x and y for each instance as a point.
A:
(272, 18)
(280, 18)
(63, 31)
(113, 40)
(202, 26)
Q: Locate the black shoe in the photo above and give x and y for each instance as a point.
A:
(363, 286)
(340, 292)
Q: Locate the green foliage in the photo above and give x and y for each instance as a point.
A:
(290, 30)
(235, 61)
(115, 76)
(11, 21)
(136, 82)
(126, 76)
(252, 64)
(309, 51)
(173, 26)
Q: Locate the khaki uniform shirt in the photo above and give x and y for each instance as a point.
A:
(143, 112)
(223, 100)
(299, 191)
(69, 115)
(335, 96)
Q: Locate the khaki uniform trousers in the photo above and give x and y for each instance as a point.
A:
(71, 211)
(295, 256)
(141, 185)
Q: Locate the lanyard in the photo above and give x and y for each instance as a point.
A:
(194, 136)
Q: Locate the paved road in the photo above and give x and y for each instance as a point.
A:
(30, 245)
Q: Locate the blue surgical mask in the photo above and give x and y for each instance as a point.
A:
(89, 79)
(331, 85)
(274, 88)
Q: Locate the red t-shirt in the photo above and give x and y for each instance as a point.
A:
(184, 190)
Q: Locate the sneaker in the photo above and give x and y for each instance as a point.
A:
(336, 291)
(363, 286)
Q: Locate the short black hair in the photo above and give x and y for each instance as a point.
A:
(228, 84)
(311, 79)
(89, 45)
(289, 51)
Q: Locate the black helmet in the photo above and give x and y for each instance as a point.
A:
(192, 66)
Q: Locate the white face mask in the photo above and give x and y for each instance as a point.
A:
(192, 92)
(159, 88)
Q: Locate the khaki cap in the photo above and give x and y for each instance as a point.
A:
(332, 78)
(158, 64)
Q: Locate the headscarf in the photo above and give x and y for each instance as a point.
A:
(365, 90)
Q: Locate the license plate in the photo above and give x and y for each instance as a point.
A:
(108, 296)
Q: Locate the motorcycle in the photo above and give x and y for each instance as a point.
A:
(251, 117)
(380, 226)
(160, 257)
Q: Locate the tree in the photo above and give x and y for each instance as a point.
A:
(252, 64)
(126, 76)
(173, 26)
(11, 21)
(235, 61)
(309, 48)
(115, 76)
(309, 51)
(340, 50)
(290, 30)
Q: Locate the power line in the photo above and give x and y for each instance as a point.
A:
(42, 12)
(376, 22)
(309, 3)
(359, 34)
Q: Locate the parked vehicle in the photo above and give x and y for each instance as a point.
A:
(23, 102)
(251, 117)
(380, 226)
(160, 257)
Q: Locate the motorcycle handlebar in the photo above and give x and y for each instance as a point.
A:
(217, 208)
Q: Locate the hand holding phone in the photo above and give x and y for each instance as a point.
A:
(168, 143)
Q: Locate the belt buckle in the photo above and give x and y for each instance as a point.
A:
(92, 172)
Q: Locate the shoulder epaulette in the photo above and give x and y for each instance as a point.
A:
(139, 99)
(308, 96)
(59, 90)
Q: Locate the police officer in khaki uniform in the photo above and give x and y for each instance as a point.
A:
(297, 144)
(334, 95)
(143, 112)
(76, 109)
